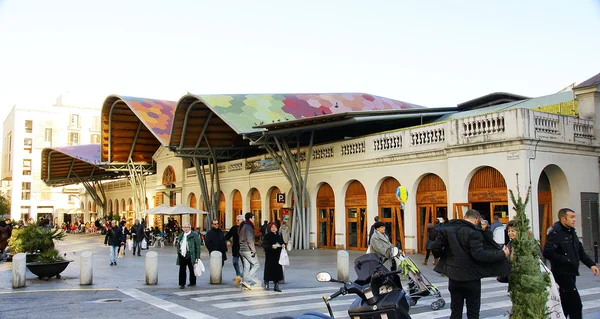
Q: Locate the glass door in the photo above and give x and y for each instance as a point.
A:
(326, 227)
(460, 209)
(356, 228)
(424, 216)
(499, 209)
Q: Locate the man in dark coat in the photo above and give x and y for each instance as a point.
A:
(233, 233)
(466, 256)
(137, 234)
(215, 240)
(113, 241)
(564, 250)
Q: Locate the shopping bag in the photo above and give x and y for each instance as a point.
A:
(289, 246)
(144, 244)
(368, 250)
(198, 268)
(284, 260)
(130, 244)
(553, 304)
(120, 255)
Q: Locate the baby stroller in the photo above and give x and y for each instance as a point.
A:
(418, 285)
(369, 264)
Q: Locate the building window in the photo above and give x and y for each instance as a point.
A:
(95, 139)
(73, 138)
(48, 135)
(26, 172)
(27, 142)
(28, 126)
(26, 185)
(95, 124)
(8, 151)
(27, 164)
(74, 121)
(25, 195)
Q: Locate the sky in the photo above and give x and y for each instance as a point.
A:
(431, 53)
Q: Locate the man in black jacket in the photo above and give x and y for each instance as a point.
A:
(466, 256)
(564, 250)
(215, 240)
(233, 233)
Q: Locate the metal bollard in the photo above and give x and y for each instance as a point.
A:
(86, 268)
(343, 265)
(151, 268)
(216, 267)
(596, 252)
(18, 270)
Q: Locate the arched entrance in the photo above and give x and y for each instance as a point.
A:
(274, 206)
(488, 194)
(325, 217)
(356, 212)
(221, 210)
(390, 212)
(256, 209)
(193, 203)
(432, 202)
(544, 206)
(236, 206)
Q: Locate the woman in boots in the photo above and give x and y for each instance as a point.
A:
(431, 236)
(273, 243)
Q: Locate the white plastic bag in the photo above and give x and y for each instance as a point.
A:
(130, 244)
(144, 244)
(198, 268)
(284, 260)
(289, 246)
(553, 304)
(368, 250)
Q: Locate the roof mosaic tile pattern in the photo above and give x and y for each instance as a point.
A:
(157, 115)
(89, 153)
(243, 111)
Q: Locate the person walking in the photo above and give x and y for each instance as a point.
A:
(188, 251)
(465, 259)
(379, 242)
(124, 234)
(234, 235)
(273, 243)
(564, 251)
(248, 252)
(285, 232)
(372, 230)
(431, 236)
(137, 235)
(215, 240)
(5, 233)
(113, 241)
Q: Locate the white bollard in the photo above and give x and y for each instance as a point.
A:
(216, 267)
(18, 270)
(343, 265)
(151, 268)
(86, 268)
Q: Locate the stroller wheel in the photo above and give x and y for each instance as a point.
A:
(436, 305)
(413, 301)
(442, 302)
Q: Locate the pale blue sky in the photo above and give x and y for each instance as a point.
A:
(432, 53)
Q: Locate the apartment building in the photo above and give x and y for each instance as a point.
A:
(27, 130)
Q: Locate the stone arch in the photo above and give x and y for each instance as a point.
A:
(325, 200)
(236, 205)
(275, 212)
(169, 177)
(488, 193)
(432, 203)
(553, 192)
(356, 214)
(389, 211)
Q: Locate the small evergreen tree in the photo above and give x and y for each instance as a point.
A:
(528, 285)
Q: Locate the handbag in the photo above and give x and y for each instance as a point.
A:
(144, 244)
(284, 260)
(198, 268)
(120, 255)
(129, 244)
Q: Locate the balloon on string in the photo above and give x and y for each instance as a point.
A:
(402, 194)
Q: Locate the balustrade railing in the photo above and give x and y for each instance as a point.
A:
(483, 125)
(547, 123)
(583, 128)
(353, 148)
(322, 153)
(425, 136)
(388, 142)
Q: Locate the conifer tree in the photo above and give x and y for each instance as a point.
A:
(528, 285)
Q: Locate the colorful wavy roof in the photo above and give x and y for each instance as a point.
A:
(243, 111)
(88, 153)
(157, 115)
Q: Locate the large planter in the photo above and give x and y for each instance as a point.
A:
(48, 270)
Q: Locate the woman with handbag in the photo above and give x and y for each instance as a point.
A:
(273, 243)
(188, 251)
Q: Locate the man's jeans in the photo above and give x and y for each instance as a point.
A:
(138, 245)
(250, 266)
(113, 253)
(236, 265)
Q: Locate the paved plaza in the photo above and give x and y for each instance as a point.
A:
(121, 290)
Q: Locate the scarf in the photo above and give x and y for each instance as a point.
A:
(183, 248)
(250, 223)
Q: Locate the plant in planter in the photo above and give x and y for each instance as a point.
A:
(40, 241)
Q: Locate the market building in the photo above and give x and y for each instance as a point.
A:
(344, 155)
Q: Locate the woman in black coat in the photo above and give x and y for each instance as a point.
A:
(273, 243)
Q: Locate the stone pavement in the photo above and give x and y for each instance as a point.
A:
(124, 286)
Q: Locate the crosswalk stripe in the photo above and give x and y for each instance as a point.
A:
(261, 292)
(269, 301)
(206, 291)
(266, 311)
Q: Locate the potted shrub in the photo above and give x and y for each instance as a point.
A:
(39, 242)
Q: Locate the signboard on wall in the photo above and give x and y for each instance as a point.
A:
(280, 197)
